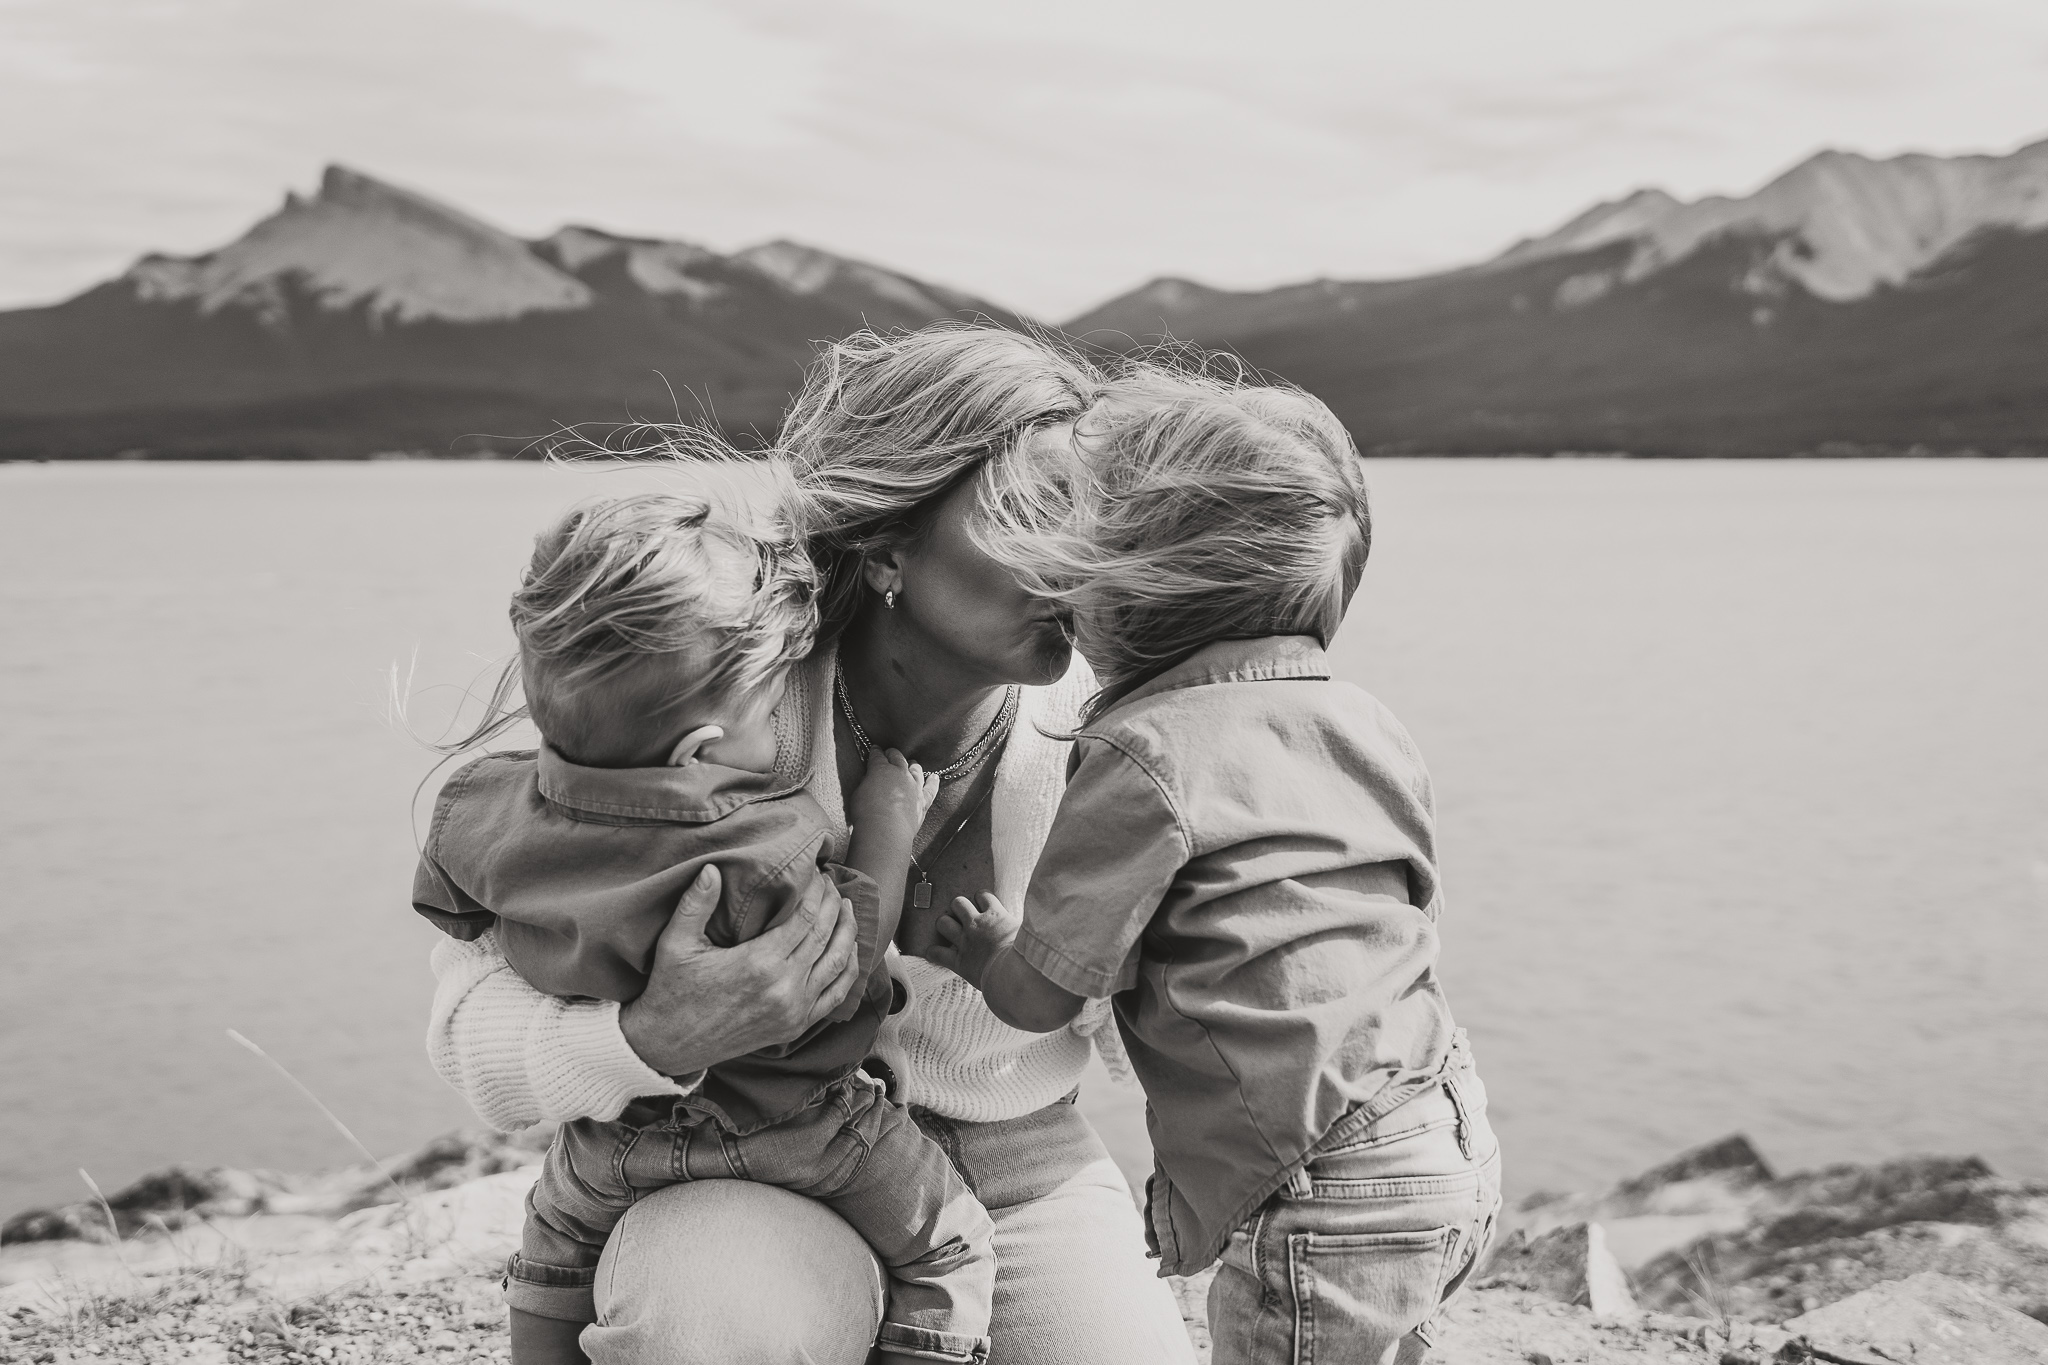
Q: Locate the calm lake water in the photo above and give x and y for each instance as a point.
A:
(1743, 773)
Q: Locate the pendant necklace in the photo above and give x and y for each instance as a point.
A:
(921, 891)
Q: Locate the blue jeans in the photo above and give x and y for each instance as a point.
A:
(856, 1152)
(747, 1274)
(1350, 1262)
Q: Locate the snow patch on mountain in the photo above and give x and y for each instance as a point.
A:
(656, 265)
(360, 241)
(1845, 224)
(806, 270)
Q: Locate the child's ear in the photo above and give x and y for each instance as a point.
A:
(686, 748)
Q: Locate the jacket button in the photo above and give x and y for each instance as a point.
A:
(883, 1072)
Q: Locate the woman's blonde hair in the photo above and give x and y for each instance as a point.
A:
(623, 582)
(1192, 506)
(887, 425)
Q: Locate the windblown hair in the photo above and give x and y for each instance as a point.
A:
(1191, 507)
(669, 579)
(888, 425)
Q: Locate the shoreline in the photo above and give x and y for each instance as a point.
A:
(1711, 1256)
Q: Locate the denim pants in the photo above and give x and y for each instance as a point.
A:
(729, 1272)
(858, 1154)
(1350, 1262)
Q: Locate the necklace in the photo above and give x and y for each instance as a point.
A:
(921, 894)
(997, 728)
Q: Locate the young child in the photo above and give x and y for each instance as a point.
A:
(655, 638)
(1244, 862)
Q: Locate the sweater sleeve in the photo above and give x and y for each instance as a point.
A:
(519, 1056)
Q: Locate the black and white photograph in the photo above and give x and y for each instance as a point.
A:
(1095, 682)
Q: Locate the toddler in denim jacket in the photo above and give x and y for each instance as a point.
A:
(1244, 863)
(656, 634)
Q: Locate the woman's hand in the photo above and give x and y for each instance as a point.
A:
(704, 1004)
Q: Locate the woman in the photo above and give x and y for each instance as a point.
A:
(930, 648)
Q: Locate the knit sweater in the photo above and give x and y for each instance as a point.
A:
(519, 1056)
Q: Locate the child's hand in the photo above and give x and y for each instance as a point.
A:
(894, 795)
(970, 938)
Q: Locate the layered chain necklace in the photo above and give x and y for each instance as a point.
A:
(997, 730)
(991, 738)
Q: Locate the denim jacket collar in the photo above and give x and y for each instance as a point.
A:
(696, 793)
(1265, 659)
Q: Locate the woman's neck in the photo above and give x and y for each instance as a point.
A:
(911, 697)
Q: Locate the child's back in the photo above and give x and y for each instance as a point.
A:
(1268, 832)
(1245, 862)
(579, 870)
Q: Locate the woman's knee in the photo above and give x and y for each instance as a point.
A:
(731, 1271)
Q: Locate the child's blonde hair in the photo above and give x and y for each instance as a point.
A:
(1193, 507)
(655, 577)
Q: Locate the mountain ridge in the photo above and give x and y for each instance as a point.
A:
(1849, 304)
(367, 316)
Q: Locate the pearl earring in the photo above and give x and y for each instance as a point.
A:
(889, 599)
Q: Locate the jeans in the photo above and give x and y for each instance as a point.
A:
(1349, 1264)
(860, 1155)
(746, 1274)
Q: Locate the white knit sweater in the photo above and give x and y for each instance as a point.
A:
(519, 1056)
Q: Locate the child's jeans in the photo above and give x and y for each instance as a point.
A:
(856, 1152)
(1350, 1262)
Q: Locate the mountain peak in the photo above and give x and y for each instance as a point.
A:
(359, 241)
(1847, 224)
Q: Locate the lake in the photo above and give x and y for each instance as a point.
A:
(1742, 772)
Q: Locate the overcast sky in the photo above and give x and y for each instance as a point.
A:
(1043, 153)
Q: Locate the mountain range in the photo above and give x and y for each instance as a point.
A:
(368, 317)
(1850, 306)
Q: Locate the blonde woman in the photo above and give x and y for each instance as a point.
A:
(927, 646)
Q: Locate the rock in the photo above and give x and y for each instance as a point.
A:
(1715, 1188)
(1927, 1319)
(1569, 1264)
(1824, 1235)
(1733, 1161)
(178, 1196)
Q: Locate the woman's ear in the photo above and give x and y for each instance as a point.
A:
(882, 570)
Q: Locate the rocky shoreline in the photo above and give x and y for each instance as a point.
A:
(1710, 1257)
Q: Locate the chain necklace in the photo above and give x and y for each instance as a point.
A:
(994, 735)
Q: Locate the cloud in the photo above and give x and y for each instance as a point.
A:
(1045, 155)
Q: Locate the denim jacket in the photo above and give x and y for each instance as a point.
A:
(579, 870)
(1245, 861)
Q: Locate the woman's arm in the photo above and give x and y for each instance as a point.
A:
(519, 1056)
